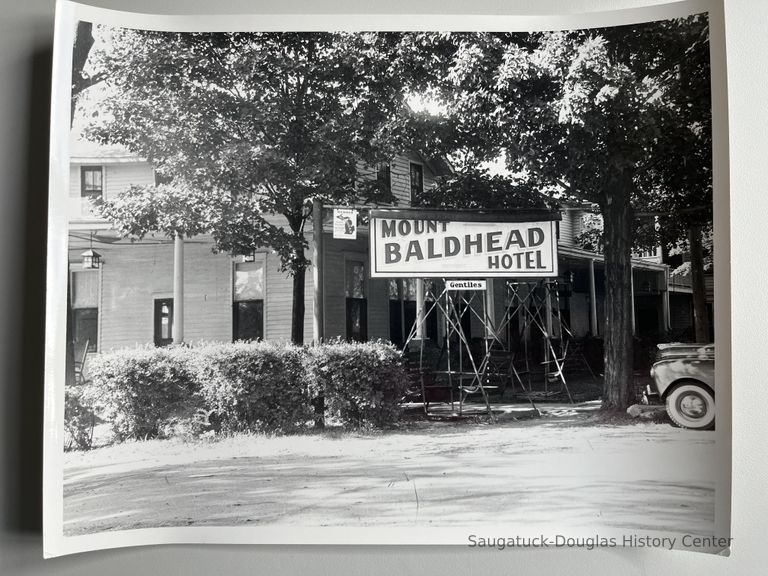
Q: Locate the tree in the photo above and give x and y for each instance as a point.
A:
(618, 117)
(82, 80)
(247, 130)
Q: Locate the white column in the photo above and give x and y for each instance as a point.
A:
(632, 293)
(490, 310)
(419, 309)
(593, 300)
(317, 272)
(548, 307)
(178, 289)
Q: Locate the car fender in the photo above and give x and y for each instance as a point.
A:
(667, 373)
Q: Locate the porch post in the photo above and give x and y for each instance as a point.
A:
(178, 289)
(632, 292)
(317, 272)
(593, 300)
(419, 309)
(665, 302)
(490, 310)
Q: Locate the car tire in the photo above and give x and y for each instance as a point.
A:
(691, 405)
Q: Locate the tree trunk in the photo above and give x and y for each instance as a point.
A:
(700, 313)
(618, 390)
(297, 317)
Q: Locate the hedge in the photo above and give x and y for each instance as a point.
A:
(363, 382)
(79, 419)
(244, 386)
(256, 386)
(139, 390)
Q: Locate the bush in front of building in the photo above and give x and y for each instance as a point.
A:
(269, 387)
(362, 382)
(139, 390)
(79, 419)
(255, 386)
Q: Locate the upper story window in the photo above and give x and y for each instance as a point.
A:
(91, 182)
(417, 180)
(384, 176)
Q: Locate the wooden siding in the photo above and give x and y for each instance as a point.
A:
(207, 293)
(336, 253)
(570, 226)
(400, 176)
(116, 178)
(278, 308)
(133, 275)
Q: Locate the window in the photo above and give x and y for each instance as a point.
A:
(91, 182)
(163, 321)
(417, 180)
(248, 305)
(402, 310)
(85, 311)
(384, 176)
(248, 320)
(85, 332)
(357, 304)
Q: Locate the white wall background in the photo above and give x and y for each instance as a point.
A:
(26, 30)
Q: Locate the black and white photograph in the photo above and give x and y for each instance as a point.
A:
(387, 286)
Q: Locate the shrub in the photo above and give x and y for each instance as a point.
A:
(245, 386)
(138, 390)
(79, 419)
(362, 382)
(256, 386)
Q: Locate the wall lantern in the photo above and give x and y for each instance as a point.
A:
(249, 257)
(91, 259)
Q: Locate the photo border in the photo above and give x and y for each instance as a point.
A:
(68, 13)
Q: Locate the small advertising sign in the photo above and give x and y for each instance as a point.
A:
(465, 285)
(345, 223)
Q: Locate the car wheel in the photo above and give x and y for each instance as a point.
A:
(691, 405)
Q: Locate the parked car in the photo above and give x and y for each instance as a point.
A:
(684, 379)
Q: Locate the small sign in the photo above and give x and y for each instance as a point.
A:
(465, 285)
(345, 223)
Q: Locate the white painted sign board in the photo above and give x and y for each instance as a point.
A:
(424, 248)
(478, 285)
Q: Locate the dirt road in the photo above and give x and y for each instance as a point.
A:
(632, 476)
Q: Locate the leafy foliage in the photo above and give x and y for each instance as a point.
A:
(591, 235)
(248, 129)
(255, 386)
(618, 117)
(79, 419)
(362, 382)
(262, 122)
(139, 390)
(239, 387)
(476, 188)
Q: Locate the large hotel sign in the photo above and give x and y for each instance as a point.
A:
(436, 243)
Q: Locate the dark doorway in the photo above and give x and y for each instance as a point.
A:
(248, 320)
(163, 321)
(86, 330)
